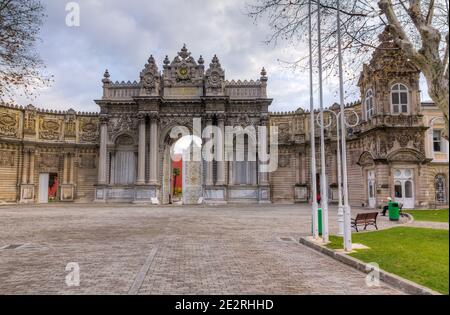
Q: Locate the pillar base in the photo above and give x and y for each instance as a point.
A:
(26, 193)
(67, 192)
(264, 194)
(215, 194)
(133, 194)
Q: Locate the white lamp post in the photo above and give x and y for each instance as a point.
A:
(347, 209)
(314, 205)
(323, 181)
(339, 160)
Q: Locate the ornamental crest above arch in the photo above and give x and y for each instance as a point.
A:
(183, 70)
(366, 159)
(406, 155)
(122, 124)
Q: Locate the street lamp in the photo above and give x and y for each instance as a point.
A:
(339, 160)
(323, 181)
(314, 205)
(347, 209)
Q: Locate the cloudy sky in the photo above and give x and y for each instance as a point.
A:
(121, 35)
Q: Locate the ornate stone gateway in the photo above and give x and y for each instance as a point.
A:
(136, 119)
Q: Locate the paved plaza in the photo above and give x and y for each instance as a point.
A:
(130, 249)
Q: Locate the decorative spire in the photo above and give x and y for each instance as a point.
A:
(166, 61)
(184, 53)
(215, 61)
(106, 77)
(263, 75)
(151, 60)
(263, 72)
(201, 60)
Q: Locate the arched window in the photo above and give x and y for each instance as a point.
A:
(369, 104)
(399, 99)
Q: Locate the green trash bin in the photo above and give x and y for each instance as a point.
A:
(394, 211)
(319, 221)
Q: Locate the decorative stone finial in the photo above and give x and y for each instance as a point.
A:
(166, 61)
(151, 60)
(201, 60)
(106, 77)
(263, 75)
(184, 53)
(263, 72)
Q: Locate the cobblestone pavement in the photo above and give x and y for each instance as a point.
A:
(125, 249)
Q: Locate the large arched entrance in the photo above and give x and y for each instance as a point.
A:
(182, 180)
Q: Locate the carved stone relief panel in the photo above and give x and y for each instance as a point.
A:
(123, 123)
(29, 124)
(70, 130)
(49, 162)
(9, 123)
(7, 158)
(49, 129)
(88, 130)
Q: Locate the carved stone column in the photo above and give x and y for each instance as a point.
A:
(263, 177)
(209, 164)
(71, 168)
(103, 151)
(112, 176)
(32, 159)
(154, 150)
(220, 151)
(141, 152)
(67, 186)
(66, 168)
(25, 167)
(298, 163)
(27, 185)
(303, 170)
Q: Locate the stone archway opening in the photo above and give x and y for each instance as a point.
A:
(182, 174)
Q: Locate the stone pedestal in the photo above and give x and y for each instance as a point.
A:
(26, 193)
(215, 194)
(301, 193)
(67, 192)
(145, 194)
(134, 194)
(100, 194)
(264, 194)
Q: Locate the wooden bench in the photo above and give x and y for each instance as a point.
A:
(365, 219)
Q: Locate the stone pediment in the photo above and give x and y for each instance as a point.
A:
(366, 159)
(406, 155)
(387, 58)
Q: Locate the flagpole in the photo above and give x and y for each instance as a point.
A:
(323, 181)
(315, 230)
(347, 209)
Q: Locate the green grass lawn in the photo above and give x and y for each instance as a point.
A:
(417, 254)
(430, 215)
